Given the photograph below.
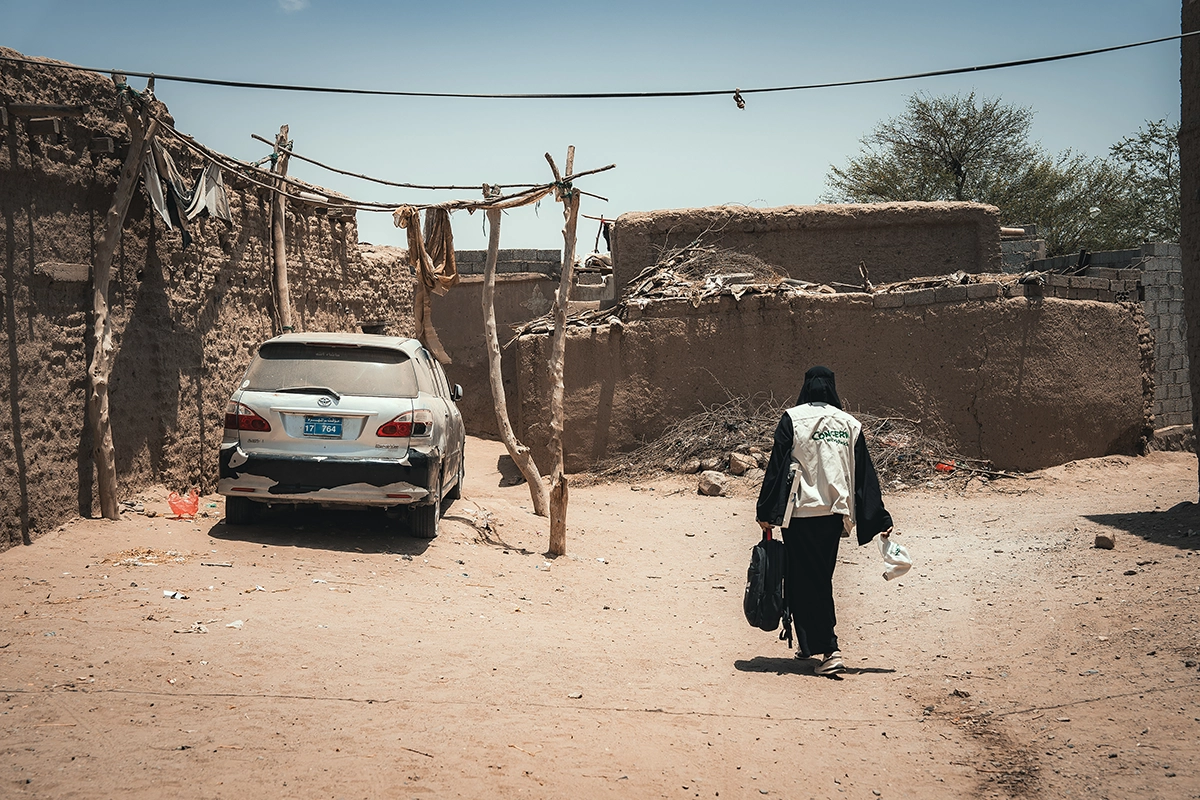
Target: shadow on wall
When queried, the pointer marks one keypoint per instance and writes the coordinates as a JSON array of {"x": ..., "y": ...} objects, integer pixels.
[{"x": 14, "y": 366}]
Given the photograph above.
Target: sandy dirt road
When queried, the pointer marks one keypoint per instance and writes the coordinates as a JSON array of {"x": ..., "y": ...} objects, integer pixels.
[{"x": 341, "y": 658}]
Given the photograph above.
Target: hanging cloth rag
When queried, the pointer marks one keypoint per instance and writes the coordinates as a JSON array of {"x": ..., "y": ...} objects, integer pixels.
[
  {"x": 208, "y": 192},
  {"x": 409, "y": 218},
  {"x": 155, "y": 190},
  {"x": 439, "y": 244}
]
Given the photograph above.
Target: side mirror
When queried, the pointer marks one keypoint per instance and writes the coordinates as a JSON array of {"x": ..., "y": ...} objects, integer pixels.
[{"x": 456, "y": 393}]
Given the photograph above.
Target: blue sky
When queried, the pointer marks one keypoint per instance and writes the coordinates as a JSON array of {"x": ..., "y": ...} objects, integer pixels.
[{"x": 669, "y": 152}]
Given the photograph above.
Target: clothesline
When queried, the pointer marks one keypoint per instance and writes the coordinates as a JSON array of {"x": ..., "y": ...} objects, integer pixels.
[
  {"x": 529, "y": 195},
  {"x": 293, "y": 154}
]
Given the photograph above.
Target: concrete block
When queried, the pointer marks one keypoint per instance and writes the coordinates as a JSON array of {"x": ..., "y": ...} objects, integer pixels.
[
  {"x": 1129, "y": 274},
  {"x": 1015, "y": 290},
  {"x": 981, "y": 291},
  {"x": 1056, "y": 280},
  {"x": 1104, "y": 273},
  {"x": 1084, "y": 294},
  {"x": 921, "y": 297},
  {"x": 1059, "y": 291},
  {"x": 1106, "y": 296},
  {"x": 887, "y": 300},
  {"x": 1167, "y": 249},
  {"x": 1085, "y": 282},
  {"x": 1175, "y": 307},
  {"x": 950, "y": 294}
]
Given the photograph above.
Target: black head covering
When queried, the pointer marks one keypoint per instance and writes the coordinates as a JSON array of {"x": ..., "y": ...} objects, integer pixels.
[{"x": 819, "y": 388}]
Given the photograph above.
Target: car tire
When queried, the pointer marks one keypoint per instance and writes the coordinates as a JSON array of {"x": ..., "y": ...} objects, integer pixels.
[
  {"x": 240, "y": 510},
  {"x": 423, "y": 520},
  {"x": 456, "y": 492}
]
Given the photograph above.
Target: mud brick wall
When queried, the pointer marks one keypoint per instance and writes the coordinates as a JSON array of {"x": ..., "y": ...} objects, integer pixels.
[
  {"x": 822, "y": 243},
  {"x": 1026, "y": 381},
  {"x": 525, "y": 288},
  {"x": 185, "y": 322},
  {"x": 1158, "y": 270}
]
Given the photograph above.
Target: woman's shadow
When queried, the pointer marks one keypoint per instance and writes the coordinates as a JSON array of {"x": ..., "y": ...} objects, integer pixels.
[{"x": 798, "y": 666}]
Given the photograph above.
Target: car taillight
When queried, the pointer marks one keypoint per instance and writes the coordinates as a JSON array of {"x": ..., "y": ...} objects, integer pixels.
[
  {"x": 410, "y": 424},
  {"x": 240, "y": 417}
]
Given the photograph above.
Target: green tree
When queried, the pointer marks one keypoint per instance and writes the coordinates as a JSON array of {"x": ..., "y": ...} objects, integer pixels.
[
  {"x": 940, "y": 148},
  {"x": 1148, "y": 162},
  {"x": 958, "y": 147}
]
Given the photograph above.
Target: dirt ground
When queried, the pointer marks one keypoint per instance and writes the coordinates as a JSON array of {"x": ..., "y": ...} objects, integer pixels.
[{"x": 322, "y": 654}]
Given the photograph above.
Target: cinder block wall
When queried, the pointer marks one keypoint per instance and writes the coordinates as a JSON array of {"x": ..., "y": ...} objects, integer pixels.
[
  {"x": 822, "y": 243},
  {"x": 1163, "y": 282}
]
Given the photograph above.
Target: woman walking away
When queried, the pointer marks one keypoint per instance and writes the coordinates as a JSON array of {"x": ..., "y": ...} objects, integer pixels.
[{"x": 820, "y": 485}]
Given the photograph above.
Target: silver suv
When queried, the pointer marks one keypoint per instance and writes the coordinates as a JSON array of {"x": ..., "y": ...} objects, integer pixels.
[{"x": 343, "y": 420}]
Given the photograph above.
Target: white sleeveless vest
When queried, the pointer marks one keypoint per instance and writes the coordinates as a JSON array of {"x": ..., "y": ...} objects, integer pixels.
[{"x": 823, "y": 438}]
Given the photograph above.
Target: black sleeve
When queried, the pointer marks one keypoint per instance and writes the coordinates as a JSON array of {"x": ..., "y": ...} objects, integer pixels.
[
  {"x": 773, "y": 496},
  {"x": 870, "y": 515}
]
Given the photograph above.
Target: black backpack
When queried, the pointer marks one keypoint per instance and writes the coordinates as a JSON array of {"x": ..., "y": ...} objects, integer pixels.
[{"x": 764, "y": 602}]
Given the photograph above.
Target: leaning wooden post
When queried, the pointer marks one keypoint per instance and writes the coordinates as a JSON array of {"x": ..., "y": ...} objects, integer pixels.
[
  {"x": 283, "y": 296},
  {"x": 558, "y": 348},
  {"x": 98, "y": 371},
  {"x": 518, "y": 452}
]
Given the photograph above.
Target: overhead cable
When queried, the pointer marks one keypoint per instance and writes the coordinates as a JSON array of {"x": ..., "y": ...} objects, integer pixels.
[{"x": 738, "y": 93}]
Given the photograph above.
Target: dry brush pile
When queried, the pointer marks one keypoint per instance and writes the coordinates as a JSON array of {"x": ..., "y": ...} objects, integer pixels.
[{"x": 902, "y": 453}]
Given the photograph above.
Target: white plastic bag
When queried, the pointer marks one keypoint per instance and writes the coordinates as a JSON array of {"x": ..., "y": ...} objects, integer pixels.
[{"x": 895, "y": 557}]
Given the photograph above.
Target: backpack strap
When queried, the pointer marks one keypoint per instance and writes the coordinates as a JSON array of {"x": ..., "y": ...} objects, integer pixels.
[{"x": 786, "y": 633}]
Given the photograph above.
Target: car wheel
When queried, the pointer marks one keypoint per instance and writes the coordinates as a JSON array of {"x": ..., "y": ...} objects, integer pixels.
[
  {"x": 240, "y": 510},
  {"x": 456, "y": 492},
  {"x": 423, "y": 520}
]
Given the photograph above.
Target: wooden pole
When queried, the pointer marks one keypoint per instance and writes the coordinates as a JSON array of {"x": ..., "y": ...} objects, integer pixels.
[
  {"x": 558, "y": 347},
  {"x": 283, "y": 296},
  {"x": 103, "y": 454},
  {"x": 518, "y": 452}
]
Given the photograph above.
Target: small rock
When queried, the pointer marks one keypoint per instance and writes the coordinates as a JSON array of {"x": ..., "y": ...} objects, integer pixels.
[
  {"x": 712, "y": 463},
  {"x": 690, "y": 467},
  {"x": 1105, "y": 541},
  {"x": 755, "y": 474},
  {"x": 739, "y": 463},
  {"x": 575, "y": 695},
  {"x": 712, "y": 483}
]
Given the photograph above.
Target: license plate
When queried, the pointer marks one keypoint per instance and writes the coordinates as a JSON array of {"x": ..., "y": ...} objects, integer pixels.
[{"x": 325, "y": 427}]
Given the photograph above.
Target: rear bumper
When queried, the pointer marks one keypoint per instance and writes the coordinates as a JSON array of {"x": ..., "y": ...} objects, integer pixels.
[{"x": 308, "y": 479}]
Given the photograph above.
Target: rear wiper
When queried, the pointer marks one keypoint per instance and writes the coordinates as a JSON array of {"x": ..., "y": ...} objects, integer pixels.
[{"x": 310, "y": 390}]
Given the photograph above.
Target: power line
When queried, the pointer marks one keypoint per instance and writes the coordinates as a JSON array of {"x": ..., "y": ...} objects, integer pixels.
[{"x": 737, "y": 93}]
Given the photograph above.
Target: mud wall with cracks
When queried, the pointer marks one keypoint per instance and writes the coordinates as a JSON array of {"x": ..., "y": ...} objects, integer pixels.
[
  {"x": 822, "y": 243},
  {"x": 1027, "y": 382},
  {"x": 185, "y": 322}
]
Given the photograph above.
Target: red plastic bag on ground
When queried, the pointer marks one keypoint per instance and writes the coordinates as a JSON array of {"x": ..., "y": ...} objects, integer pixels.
[{"x": 184, "y": 507}]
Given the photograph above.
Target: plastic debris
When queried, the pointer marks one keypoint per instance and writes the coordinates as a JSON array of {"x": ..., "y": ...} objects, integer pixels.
[
  {"x": 174, "y": 595},
  {"x": 236, "y": 624},
  {"x": 184, "y": 507},
  {"x": 197, "y": 627}
]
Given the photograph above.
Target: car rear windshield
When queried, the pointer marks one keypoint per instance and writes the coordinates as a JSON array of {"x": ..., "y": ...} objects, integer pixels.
[{"x": 363, "y": 371}]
